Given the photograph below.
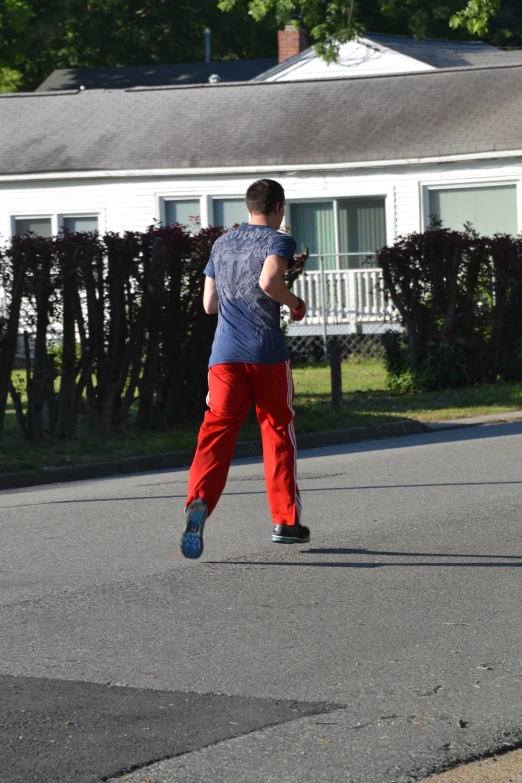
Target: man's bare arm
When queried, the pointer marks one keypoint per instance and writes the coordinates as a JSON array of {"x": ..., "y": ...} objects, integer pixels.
[
  {"x": 210, "y": 296},
  {"x": 273, "y": 284}
]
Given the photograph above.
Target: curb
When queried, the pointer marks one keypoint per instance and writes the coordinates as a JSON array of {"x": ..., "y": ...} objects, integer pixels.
[{"x": 183, "y": 459}]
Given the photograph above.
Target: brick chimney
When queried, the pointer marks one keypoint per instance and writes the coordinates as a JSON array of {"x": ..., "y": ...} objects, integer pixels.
[{"x": 291, "y": 41}]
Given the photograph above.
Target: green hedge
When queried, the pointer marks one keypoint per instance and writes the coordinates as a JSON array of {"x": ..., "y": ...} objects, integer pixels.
[
  {"x": 132, "y": 338},
  {"x": 459, "y": 298}
]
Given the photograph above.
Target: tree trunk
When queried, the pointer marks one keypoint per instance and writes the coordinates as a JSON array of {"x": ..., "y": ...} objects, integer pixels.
[
  {"x": 9, "y": 339},
  {"x": 40, "y": 379},
  {"x": 67, "y": 409},
  {"x": 153, "y": 309}
]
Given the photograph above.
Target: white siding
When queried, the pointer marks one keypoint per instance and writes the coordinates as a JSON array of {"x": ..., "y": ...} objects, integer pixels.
[
  {"x": 133, "y": 203},
  {"x": 407, "y": 206}
]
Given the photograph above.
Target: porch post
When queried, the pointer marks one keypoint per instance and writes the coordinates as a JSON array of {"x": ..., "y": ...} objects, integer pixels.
[{"x": 323, "y": 308}]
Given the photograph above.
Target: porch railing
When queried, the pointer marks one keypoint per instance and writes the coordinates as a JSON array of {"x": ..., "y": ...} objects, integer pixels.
[{"x": 350, "y": 297}]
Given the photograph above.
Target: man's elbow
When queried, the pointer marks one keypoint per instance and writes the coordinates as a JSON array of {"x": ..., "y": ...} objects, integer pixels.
[
  {"x": 265, "y": 283},
  {"x": 211, "y": 308}
]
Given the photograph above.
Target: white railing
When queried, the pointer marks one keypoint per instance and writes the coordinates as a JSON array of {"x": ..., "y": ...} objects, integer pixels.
[{"x": 346, "y": 297}]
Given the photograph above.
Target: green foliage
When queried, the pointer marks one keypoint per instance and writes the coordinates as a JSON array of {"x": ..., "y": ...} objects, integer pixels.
[
  {"x": 476, "y": 16},
  {"x": 134, "y": 300},
  {"x": 506, "y": 25},
  {"x": 333, "y": 22},
  {"x": 10, "y": 80},
  {"x": 459, "y": 298},
  {"x": 329, "y": 23},
  {"x": 37, "y": 36},
  {"x": 55, "y": 350},
  {"x": 446, "y": 369}
]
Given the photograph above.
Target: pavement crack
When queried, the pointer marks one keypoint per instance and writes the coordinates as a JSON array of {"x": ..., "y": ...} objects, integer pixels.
[
  {"x": 433, "y": 692},
  {"x": 373, "y": 722}
]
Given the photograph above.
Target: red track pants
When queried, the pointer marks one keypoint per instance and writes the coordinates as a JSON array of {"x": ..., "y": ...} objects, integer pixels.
[{"x": 232, "y": 388}]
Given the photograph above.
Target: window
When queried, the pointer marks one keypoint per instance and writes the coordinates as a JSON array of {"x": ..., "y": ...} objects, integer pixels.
[
  {"x": 312, "y": 226},
  {"x": 345, "y": 232},
  {"x": 228, "y": 211},
  {"x": 491, "y": 210},
  {"x": 38, "y": 225},
  {"x": 184, "y": 212},
  {"x": 362, "y": 231},
  {"x": 84, "y": 223}
]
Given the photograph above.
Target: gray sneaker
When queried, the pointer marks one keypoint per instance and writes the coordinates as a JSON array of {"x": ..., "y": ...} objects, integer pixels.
[
  {"x": 290, "y": 534},
  {"x": 192, "y": 539}
]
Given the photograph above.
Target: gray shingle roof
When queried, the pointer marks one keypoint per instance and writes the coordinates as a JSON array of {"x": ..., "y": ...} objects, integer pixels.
[
  {"x": 439, "y": 54},
  {"x": 258, "y": 123},
  {"x": 154, "y": 75}
]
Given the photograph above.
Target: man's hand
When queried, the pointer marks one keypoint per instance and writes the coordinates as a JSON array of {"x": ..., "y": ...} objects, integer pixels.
[
  {"x": 272, "y": 282},
  {"x": 298, "y": 313}
]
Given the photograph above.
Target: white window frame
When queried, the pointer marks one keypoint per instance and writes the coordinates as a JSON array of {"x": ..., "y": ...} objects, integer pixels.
[
  {"x": 471, "y": 184},
  {"x": 34, "y": 216},
  {"x": 58, "y": 218},
  {"x": 387, "y": 195}
]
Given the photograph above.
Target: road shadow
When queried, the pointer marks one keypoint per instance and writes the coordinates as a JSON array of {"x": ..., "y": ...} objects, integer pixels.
[
  {"x": 435, "y": 437},
  {"x": 303, "y": 490},
  {"x": 319, "y": 564},
  {"x": 332, "y": 550},
  {"x": 467, "y": 433},
  {"x": 506, "y": 561}
]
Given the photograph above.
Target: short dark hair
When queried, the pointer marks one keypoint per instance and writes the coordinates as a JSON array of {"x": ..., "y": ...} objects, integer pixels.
[{"x": 263, "y": 195}]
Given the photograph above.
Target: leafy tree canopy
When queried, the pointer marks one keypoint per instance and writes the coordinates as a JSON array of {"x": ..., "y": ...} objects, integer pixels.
[
  {"x": 37, "y": 36},
  {"x": 332, "y": 22}
]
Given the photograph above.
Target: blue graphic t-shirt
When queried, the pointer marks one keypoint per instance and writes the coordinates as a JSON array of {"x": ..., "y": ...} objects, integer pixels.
[{"x": 249, "y": 321}]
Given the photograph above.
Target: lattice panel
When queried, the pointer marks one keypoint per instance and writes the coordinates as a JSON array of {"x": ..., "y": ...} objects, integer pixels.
[{"x": 308, "y": 349}]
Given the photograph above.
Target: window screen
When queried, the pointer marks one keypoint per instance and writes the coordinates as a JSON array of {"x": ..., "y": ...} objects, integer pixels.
[
  {"x": 76, "y": 224},
  {"x": 490, "y": 210},
  {"x": 362, "y": 231},
  {"x": 40, "y": 226},
  {"x": 183, "y": 212},
  {"x": 312, "y": 227},
  {"x": 228, "y": 211}
]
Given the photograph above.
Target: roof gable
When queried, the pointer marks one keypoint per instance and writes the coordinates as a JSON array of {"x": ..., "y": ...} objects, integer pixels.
[{"x": 377, "y": 53}]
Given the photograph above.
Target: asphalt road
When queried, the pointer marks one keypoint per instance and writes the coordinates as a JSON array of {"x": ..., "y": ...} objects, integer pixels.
[{"x": 385, "y": 650}]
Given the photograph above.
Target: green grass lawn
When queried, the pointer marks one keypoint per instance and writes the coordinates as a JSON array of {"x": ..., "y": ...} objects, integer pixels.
[{"x": 366, "y": 400}]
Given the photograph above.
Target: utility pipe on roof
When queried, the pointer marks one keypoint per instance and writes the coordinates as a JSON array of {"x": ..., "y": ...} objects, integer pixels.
[{"x": 207, "y": 45}]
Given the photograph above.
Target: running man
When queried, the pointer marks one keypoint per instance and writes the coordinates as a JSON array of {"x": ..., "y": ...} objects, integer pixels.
[{"x": 249, "y": 363}]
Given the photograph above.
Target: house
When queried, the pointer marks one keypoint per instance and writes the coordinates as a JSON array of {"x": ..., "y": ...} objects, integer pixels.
[
  {"x": 379, "y": 54},
  {"x": 362, "y": 160},
  {"x": 155, "y": 75},
  {"x": 372, "y": 54}
]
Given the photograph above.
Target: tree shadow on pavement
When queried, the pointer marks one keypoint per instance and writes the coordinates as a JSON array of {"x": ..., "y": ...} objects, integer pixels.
[
  {"x": 506, "y": 561},
  {"x": 340, "y": 551},
  {"x": 468, "y": 432},
  {"x": 365, "y": 487}
]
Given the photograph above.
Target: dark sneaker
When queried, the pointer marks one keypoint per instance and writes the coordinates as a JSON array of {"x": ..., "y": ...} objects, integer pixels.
[
  {"x": 192, "y": 539},
  {"x": 290, "y": 534}
]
